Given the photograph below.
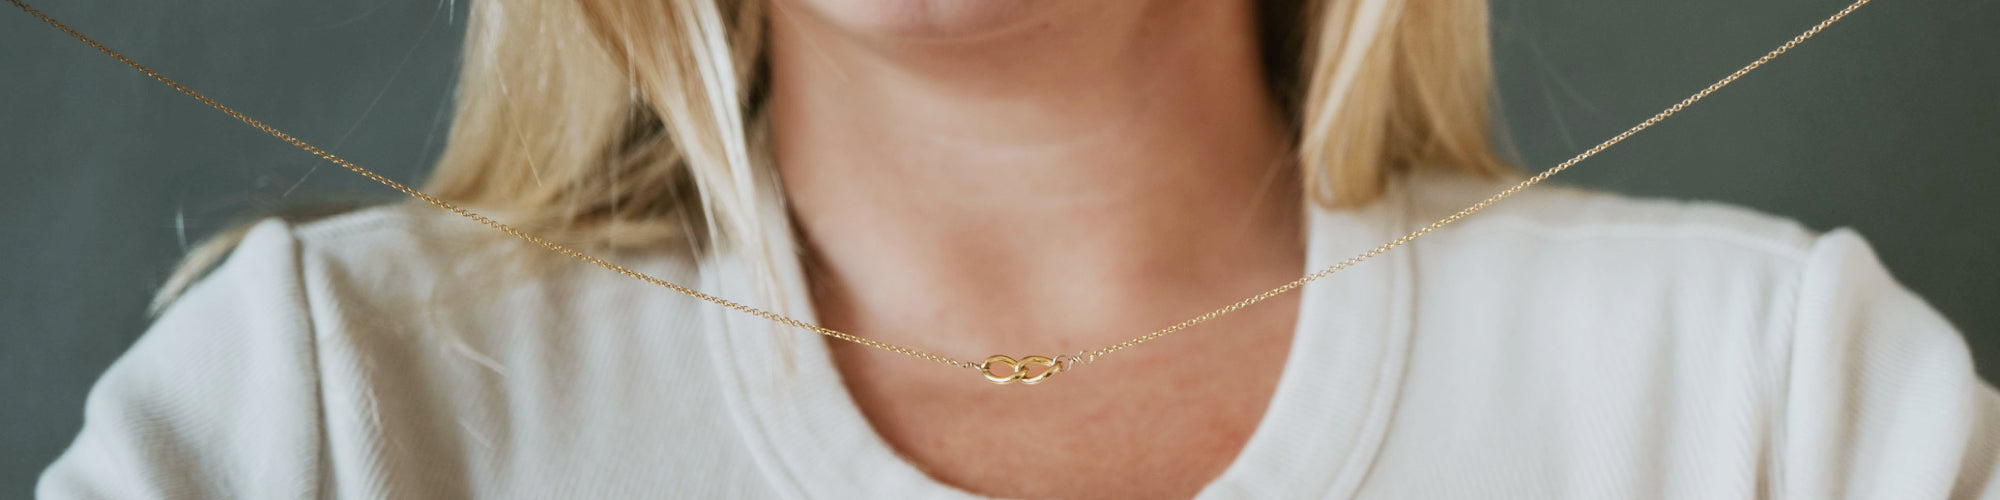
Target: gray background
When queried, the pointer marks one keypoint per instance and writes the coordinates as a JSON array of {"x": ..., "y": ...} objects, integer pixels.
[{"x": 1886, "y": 123}]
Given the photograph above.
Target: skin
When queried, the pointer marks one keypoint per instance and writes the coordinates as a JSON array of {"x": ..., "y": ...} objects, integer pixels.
[{"x": 977, "y": 177}]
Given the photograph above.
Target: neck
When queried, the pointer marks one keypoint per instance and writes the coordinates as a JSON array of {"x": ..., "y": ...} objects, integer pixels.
[{"x": 1068, "y": 183}]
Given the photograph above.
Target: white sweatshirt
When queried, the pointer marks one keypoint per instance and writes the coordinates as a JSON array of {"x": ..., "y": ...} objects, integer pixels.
[{"x": 1561, "y": 344}]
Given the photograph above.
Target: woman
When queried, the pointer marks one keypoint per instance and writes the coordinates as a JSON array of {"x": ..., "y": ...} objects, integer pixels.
[{"x": 979, "y": 177}]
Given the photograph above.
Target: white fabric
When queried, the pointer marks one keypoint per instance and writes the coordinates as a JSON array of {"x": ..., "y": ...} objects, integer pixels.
[{"x": 1561, "y": 344}]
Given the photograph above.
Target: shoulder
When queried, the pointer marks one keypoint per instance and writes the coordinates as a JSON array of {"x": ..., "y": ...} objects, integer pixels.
[
  {"x": 315, "y": 262},
  {"x": 1769, "y": 344},
  {"x": 407, "y": 281},
  {"x": 392, "y": 324},
  {"x": 389, "y": 240},
  {"x": 1613, "y": 284},
  {"x": 1683, "y": 287},
  {"x": 1710, "y": 268},
  {"x": 402, "y": 251},
  {"x": 1566, "y": 216},
  {"x": 396, "y": 235},
  {"x": 1678, "y": 251}
]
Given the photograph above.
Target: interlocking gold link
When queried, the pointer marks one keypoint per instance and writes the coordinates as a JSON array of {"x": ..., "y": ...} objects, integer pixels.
[
  {"x": 1019, "y": 369},
  {"x": 1054, "y": 365}
]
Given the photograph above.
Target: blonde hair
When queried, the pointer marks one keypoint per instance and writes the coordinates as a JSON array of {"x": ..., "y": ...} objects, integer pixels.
[{"x": 616, "y": 123}]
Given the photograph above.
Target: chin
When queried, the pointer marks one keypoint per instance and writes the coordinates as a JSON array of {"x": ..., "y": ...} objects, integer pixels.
[{"x": 942, "y": 20}]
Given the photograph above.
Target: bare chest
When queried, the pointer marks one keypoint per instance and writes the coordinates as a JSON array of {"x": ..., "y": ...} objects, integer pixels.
[{"x": 1138, "y": 429}]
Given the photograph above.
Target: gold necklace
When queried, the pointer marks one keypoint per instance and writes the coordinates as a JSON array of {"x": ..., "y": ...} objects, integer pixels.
[{"x": 1027, "y": 370}]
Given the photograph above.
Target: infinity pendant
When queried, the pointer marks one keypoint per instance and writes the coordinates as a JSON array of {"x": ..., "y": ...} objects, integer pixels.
[{"x": 1018, "y": 370}]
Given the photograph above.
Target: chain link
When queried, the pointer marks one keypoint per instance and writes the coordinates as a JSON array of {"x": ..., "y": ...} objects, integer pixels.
[{"x": 1062, "y": 363}]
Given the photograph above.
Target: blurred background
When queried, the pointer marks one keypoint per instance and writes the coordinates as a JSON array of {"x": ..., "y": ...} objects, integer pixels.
[{"x": 1886, "y": 123}]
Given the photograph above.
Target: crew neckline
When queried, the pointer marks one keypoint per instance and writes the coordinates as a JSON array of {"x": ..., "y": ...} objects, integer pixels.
[{"x": 1318, "y": 436}]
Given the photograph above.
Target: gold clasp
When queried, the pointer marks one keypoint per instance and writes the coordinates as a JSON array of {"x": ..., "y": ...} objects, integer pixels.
[{"x": 1018, "y": 370}]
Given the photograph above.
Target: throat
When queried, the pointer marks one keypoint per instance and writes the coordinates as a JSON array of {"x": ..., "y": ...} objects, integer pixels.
[
  {"x": 1091, "y": 179},
  {"x": 1124, "y": 179},
  {"x": 976, "y": 287}
]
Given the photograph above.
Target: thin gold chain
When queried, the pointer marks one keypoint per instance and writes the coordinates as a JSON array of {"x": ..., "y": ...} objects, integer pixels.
[{"x": 1018, "y": 369}]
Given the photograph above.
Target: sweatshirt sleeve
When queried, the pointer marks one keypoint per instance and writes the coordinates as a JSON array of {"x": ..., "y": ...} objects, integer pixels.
[
  {"x": 218, "y": 399},
  {"x": 1882, "y": 400}
]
